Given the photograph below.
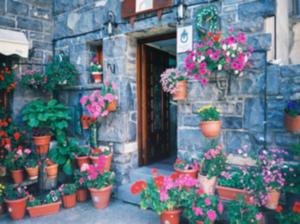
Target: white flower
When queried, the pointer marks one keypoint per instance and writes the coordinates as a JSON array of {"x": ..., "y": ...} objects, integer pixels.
[
  {"x": 202, "y": 58},
  {"x": 219, "y": 67},
  {"x": 233, "y": 46},
  {"x": 236, "y": 72},
  {"x": 246, "y": 58},
  {"x": 232, "y": 55},
  {"x": 240, "y": 49},
  {"x": 224, "y": 46},
  {"x": 228, "y": 53}
]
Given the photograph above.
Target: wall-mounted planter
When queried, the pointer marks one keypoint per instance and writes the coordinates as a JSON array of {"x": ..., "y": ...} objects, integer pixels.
[
  {"x": 180, "y": 93},
  {"x": 210, "y": 129},
  {"x": 292, "y": 123},
  {"x": 43, "y": 210}
]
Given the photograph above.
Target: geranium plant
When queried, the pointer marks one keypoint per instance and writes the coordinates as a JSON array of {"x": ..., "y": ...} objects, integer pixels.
[
  {"x": 7, "y": 75},
  {"x": 83, "y": 151},
  {"x": 208, "y": 113},
  {"x": 33, "y": 78},
  {"x": 232, "y": 177},
  {"x": 186, "y": 164},
  {"x": 169, "y": 78},
  {"x": 67, "y": 189},
  {"x": 15, "y": 159},
  {"x": 215, "y": 53},
  {"x": 52, "y": 197},
  {"x": 101, "y": 150},
  {"x": 289, "y": 216},
  {"x": 80, "y": 179},
  {"x": 11, "y": 193},
  {"x": 108, "y": 90},
  {"x": 95, "y": 66}
]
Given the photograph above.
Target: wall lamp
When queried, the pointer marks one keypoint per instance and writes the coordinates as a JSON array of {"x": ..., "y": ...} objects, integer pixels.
[
  {"x": 111, "y": 23},
  {"x": 181, "y": 11}
]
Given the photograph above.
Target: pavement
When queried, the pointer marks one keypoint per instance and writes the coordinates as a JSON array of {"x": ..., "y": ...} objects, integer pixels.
[{"x": 118, "y": 212}]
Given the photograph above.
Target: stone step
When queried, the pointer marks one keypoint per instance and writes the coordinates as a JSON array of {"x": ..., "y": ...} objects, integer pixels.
[
  {"x": 144, "y": 173},
  {"x": 125, "y": 195}
]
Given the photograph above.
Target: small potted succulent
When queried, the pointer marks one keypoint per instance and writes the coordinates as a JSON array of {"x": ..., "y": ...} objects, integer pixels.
[
  {"x": 210, "y": 124},
  {"x": 212, "y": 165},
  {"x": 186, "y": 167},
  {"x": 104, "y": 151},
  {"x": 14, "y": 161},
  {"x": 68, "y": 194},
  {"x": 241, "y": 212},
  {"x": 34, "y": 79},
  {"x": 15, "y": 200},
  {"x": 31, "y": 165},
  {"x": 2, "y": 208},
  {"x": 96, "y": 70},
  {"x": 81, "y": 184},
  {"x": 292, "y": 116},
  {"x": 49, "y": 206},
  {"x": 203, "y": 209},
  {"x": 99, "y": 182},
  {"x": 174, "y": 83},
  {"x": 108, "y": 90},
  {"x": 82, "y": 155},
  {"x": 166, "y": 195}
]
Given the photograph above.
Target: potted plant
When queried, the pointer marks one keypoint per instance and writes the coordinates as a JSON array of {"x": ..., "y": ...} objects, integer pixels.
[
  {"x": 46, "y": 119},
  {"x": 212, "y": 165},
  {"x": 87, "y": 121},
  {"x": 49, "y": 206},
  {"x": 104, "y": 151},
  {"x": 292, "y": 116},
  {"x": 31, "y": 165},
  {"x": 96, "y": 70},
  {"x": 203, "y": 209},
  {"x": 210, "y": 124},
  {"x": 34, "y": 79},
  {"x": 60, "y": 71},
  {"x": 81, "y": 185},
  {"x": 166, "y": 195},
  {"x": 68, "y": 194},
  {"x": 108, "y": 90},
  {"x": 186, "y": 167},
  {"x": 2, "y": 208},
  {"x": 174, "y": 83},
  {"x": 14, "y": 161},
  {"x": 51, "y": 169},
  {"x": 15, "y": 200},
  {"x": 99, "y": 182},
  {"x": 289, "y": 216},
  {"x": 82, "y": 155},
  {"x": 230, "y": 183},
  {"x": 242, "y": 213}
]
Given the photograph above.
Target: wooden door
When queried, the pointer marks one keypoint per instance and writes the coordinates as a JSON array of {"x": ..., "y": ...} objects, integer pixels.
[{"x": 154, "y": 113}]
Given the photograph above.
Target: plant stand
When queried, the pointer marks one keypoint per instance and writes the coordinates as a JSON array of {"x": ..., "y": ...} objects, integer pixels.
[
  {"x": 93, "y": 135},
  {"x": 44, "y": 182}
]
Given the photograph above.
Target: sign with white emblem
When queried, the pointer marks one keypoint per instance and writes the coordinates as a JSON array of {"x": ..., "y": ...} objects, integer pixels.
[{"x": 184, "y": 39}]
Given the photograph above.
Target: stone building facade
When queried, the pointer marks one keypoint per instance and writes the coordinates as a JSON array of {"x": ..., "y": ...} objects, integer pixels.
[{"x": 252, "y": 111}]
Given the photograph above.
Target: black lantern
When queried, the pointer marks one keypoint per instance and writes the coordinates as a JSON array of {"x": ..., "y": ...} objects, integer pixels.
[{"x": 181, "y": 10}]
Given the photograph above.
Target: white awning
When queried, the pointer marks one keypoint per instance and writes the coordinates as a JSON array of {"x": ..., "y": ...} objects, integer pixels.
[{"x": 13, "y": 42}]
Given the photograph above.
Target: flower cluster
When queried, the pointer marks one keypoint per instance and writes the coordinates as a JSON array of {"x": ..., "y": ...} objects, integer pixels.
[
  {"x": 186, "y": 165},
  {"x": 33, "y": 78},
  {"x": 232, "y": 177},
  {"x": 7, "y": 82},
  {"x": 227, "y": 55},
  {"x": 67, "y": 189},
  {"x": 293, "y": 108},
  {"x": 52, "y": 197},
  {"x": 87, "y": 120},
  {"x": 209, "y": 113},
  {"x": 289, "y": 216},
  {"x": 169, "y": 79},
  {"x": 95, "y": 66}
]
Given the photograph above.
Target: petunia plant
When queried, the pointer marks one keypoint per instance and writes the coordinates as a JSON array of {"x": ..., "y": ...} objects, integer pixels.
[{"x": 169, "y": 79}]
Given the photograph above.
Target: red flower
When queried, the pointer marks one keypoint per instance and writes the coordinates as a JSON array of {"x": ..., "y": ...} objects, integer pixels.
[
  {"x": 296, "y": 207},
  {"x": 217, "y": 37},
  {"x": 174, "y": 176},
  {"x": 138, "y": 187},
  {"x": 17, "y": 136},
  {"x": 158, "y": 181},
  {"x": 154, "y": 172},
  {"x": 209, "y": 34},
  {"x": 279, "y": 209}
]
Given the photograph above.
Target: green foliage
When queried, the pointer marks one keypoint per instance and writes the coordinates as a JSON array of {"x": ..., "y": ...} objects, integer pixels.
[
  {"x": 14, "y": 161},
  {"x": 2, "y": 188},
  {"x": 51, "y": 197},
  {"x": 34, "y": 79},
  {"x": 240, "y": 212},
  {"x": 288, "y": 217},
  {"x": 7, "y": 76},
  {"x": 232, "y": 177},
  {"x": 83, "y": 151},
  {"x": 292, "y": 178},
  {"x": 80, "y": 179},
  {"x": 10, "y": 193},
  {"x": 209, "y": 113},
  {"x": 60, "y": 71},
  {"x": 67, "y": 189},
  {"x": 207, "y": 18},
  {"x": 31, "y": 162},
  {"x": 33, "y": 202},
  {"x": 104, "y": 180}
]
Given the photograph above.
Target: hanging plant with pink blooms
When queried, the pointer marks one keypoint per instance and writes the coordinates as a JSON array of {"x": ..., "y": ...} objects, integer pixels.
[{"x": 216, "y": 55}]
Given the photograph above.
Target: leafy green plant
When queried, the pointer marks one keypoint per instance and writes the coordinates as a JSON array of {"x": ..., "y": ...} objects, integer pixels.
[
  {"x": 60, "y": 71},
  {"x": 67, "y": 189},
  {"x": 10, "y": 193},
  {"x": 7, "y": 76},
  {"x": 239, "y": 212},
  {"x": 51, "y": 197},
  {"x": 33, "y": 202},
  {"x": 291, "y": 172},
  {"x": 232, "y": 177},
  {"x": 101, "y": 150},
  {"x": 186, "y": 164},
  {"x": 209, "y": 113},
  {"x": 44, "y": 118},
  {"x": 15, "y": 159},
  {"x": 83, "y": 151},
  {"x": 80, "y": 179},
  {"x": 31, "y": 162},
  {"x": 34, "y": 79},
  {"x": 95, "y": 66}
]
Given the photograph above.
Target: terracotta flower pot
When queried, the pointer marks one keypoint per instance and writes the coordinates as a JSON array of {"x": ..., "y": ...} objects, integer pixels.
[
  {"x": 101, "y": 197},
  {"x": 42, "y": 144},
  {"x": 16, "y": 208},
  {"x": 52, "y": 171},
  {"x": 82, "y": 160},
  {"x": 69, "y": 201},
  {"x": 201, "y": 222},
  {"x": 170, "y": 217},
  {"x": 107, "y": 164},
  {"x": 112, "y": 106},
  {"x": 228, "y": 193},
  {"x": 2, "y": 208},
  {"x": 180, "y": 93},
  {"x": 43, "y": 210},
  {"x": 292, "y": 124},
  {"x": 192, "y": 173},
  {"x": 208, "y": 185},
  {"x": 97, "y": 76},
  {"x": 32, "y": 172},
  {"x": 210, "y": 129},
  {"x": 81, "y": 195},
  {"x": 17, "y": 176},
  {"x": 273, "y": 199}
]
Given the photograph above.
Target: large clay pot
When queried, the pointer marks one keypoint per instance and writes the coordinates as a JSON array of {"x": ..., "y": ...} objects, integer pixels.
[
  {"x": 210, "y": 129},
  {"x": 69, "y": 201},
  {"x": 52, "y": 171},
  {"x": 42, "y": 144},
  {"x": 292, "y": 124},
  {"x": 180, "y": 93},
  {"x": 97, "y": 77},
  {"x": 82, "y": 160},
  {"x": 16, "y": 208},
  {"x": 273, "y": 199},
  {"x": 208, "y": 185},
  {"x": 170, "y": 217},
  {"x": 228, "y": 193},
  {"x": 32, "y": 172},
  {"x": 112, "y": 106},
  {"x": 81, "y": 195},
  {"x": 17, "y": 176},
  {"x": 101, "y": 197},
  {"x": 42, "y": 210},
  {"x": 192, "y": 173}
]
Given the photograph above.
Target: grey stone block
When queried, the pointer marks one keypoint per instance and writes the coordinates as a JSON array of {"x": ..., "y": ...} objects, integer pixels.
[
  {"x": 232, "y": 123},
  {"x": 41, "y": 13},
  {"x": 273, "y": 80},
  {"x": 2, "y": 8},
  {"x": 17, "y": 8},
  {"x": 254, "y": 114},
  {"x": 7, "y": 22},
  {"x": 252, "y": 10},
  {"x": 29, "y": 24},
  {"x": 260, "y": 42}
]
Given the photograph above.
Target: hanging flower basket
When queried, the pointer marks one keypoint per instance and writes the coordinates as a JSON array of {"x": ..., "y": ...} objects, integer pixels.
[{"x": 180, "y": 91}]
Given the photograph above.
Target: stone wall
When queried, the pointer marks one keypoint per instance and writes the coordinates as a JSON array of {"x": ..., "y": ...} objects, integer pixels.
[{"x": 34, "y": 18}]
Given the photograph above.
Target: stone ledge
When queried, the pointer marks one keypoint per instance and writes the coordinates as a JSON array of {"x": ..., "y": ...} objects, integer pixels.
[{"x": 239, "y": 160}]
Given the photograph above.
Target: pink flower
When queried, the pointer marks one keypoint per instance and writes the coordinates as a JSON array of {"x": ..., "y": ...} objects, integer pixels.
[
  {"x": 220, "y": 207},
  {"x": 83, "y": 100},
  {"x": 27, "y": 151},
  {"x": 259, "y": 216},
  {"x": 81, "y": 180},
  {"x": 163, "y": 195},
  {"x": 198, "y": 211},
  {"x": 212, "y": 215},
  {"x": 84, "y": 167},
  {"x": 207, "y": 201},
  {"x": 203, "y": 81}
]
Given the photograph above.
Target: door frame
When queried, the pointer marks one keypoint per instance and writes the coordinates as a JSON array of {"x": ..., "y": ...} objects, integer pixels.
[{"x": 141, "y": 94}]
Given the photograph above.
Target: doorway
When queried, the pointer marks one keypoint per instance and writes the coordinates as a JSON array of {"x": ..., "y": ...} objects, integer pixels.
[{"x": 157, "y": 123}]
